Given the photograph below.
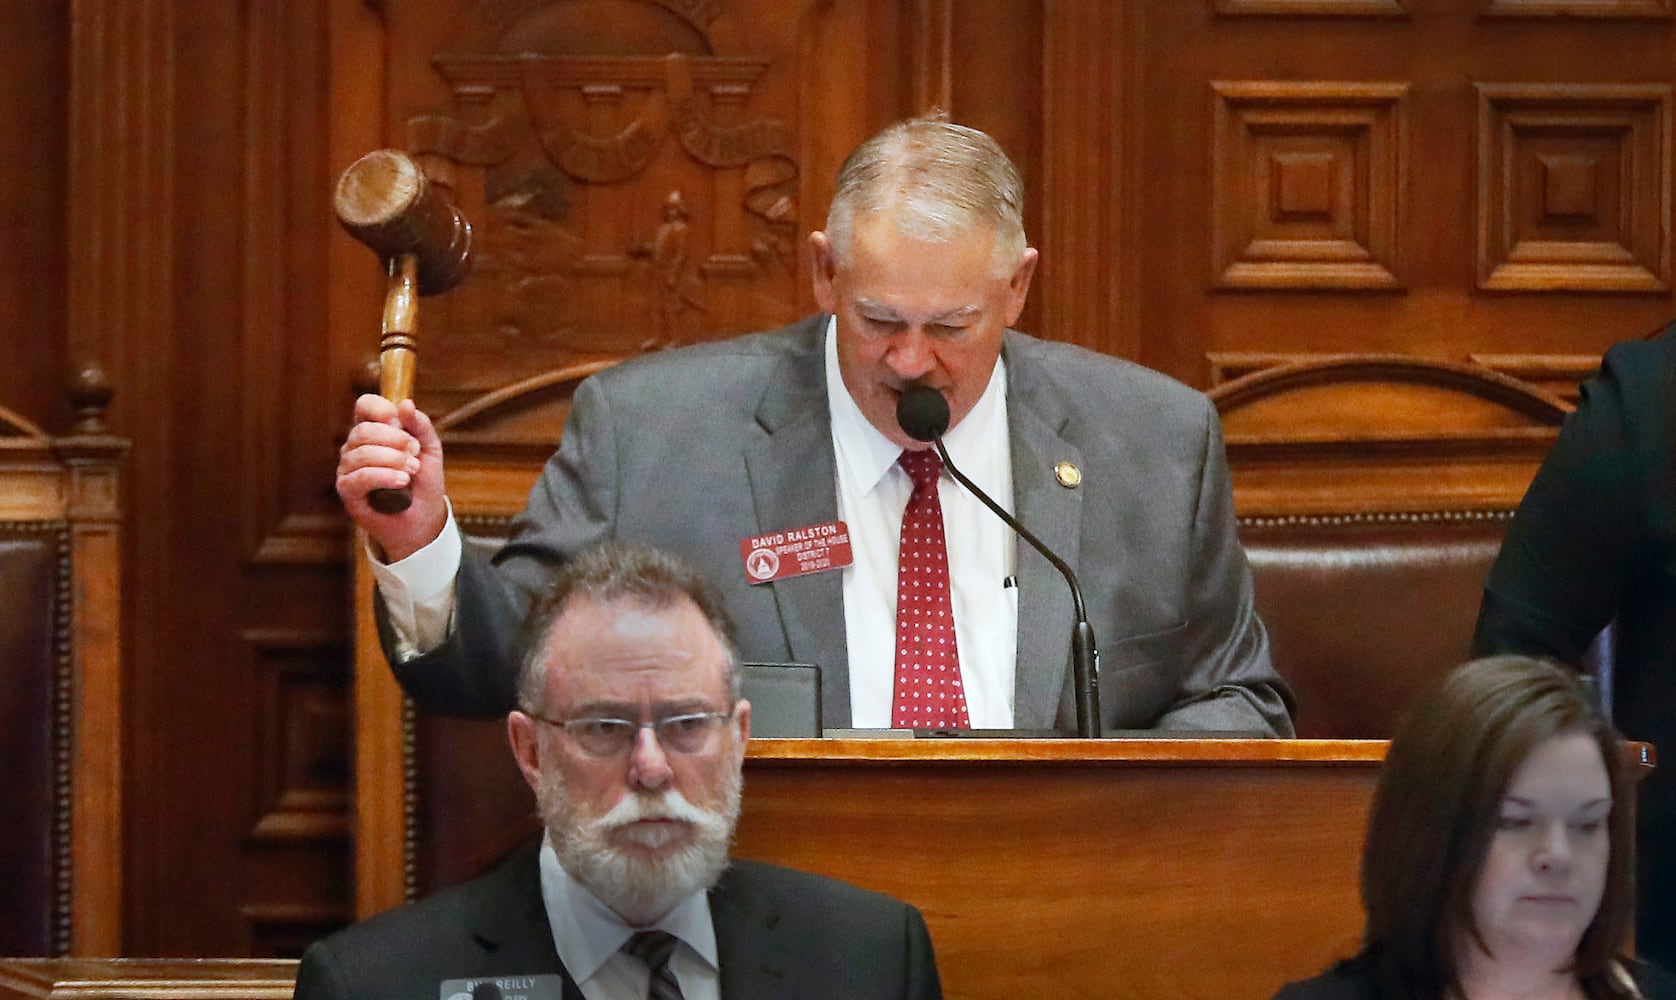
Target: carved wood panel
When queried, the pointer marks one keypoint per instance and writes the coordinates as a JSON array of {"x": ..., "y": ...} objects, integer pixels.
[
  {"x": 1309, "y": 185},
  {"x": 1574, "y": 187},
  {"x": 633, "y": 171}
]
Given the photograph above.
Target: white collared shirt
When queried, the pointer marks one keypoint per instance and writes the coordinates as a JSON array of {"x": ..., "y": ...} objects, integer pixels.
[
  {"x": 873, "y": 492},
  {"x": 589, "y": 937}
]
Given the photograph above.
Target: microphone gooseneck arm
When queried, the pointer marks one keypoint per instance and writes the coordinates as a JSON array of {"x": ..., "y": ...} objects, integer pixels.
[
  {"x": 1085, "y": 654},
  {"x": 923, "y": 414}
]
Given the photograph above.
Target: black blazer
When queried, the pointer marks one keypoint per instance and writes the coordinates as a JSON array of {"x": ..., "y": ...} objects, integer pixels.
[
  {"x": 1349, "y": 981},
  {"x": 779, "y": 933},
  {"x": 1595, "y": 540}
]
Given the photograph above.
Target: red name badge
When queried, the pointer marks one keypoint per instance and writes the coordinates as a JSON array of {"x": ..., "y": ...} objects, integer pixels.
[{"x": 799, "y": 551}]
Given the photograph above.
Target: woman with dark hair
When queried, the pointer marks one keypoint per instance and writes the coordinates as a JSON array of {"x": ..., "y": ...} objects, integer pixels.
[{"x": 1499, "y": 859}]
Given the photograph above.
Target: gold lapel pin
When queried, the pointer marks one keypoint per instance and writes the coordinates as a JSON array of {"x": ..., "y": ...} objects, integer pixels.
[{"x": 1069, "y": 475}]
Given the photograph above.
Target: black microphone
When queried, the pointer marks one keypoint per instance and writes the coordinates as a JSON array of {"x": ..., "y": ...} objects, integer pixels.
[{"x": 923, "y": 415}]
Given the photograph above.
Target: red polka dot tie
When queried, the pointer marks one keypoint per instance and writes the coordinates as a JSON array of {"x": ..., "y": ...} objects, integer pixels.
[{"x": 927, "y": 693}]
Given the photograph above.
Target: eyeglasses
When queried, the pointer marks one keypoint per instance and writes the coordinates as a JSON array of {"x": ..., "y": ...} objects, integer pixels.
[{"x": 689, "y": 733}]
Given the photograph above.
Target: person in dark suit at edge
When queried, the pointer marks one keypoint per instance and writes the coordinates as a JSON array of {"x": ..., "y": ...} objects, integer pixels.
[
  {"x": 1594, "y": 541},
  {"x": 631, "y": 732},
  {"x": 921, "y": 269}
]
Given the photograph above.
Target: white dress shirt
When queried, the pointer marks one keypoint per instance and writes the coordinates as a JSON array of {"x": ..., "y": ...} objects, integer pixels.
[
  {"x": 872, "y": 492},
  {"x": 589, "y": 938}
]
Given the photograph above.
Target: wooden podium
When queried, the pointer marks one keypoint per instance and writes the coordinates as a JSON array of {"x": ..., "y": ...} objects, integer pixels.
[{"x": 1156, "y": 869}]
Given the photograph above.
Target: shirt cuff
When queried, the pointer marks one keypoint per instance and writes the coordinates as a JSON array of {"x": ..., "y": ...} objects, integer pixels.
[{"x": 418, "y": 591}]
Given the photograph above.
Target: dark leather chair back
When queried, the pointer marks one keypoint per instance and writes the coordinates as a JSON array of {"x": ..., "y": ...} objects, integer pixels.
[
  {"x": 34, "y": 679},
  {"x": 1365, "y": 611}
]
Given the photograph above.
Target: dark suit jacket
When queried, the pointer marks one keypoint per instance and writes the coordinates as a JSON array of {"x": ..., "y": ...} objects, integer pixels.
[
  {"x": 1347, "y": 981},
  {"x": 1594, "y": 541},
  {"x": 779, "y": 934},
  {"x": 698, "y": 449}
]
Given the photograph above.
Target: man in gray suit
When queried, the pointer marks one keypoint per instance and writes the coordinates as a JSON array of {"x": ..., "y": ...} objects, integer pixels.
[
  {"x": 718, "y": 450},
  {"x": 631, "y": 731}
]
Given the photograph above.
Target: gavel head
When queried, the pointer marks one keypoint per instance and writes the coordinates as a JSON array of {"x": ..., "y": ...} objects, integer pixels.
[{"x": 384, "y": 200}]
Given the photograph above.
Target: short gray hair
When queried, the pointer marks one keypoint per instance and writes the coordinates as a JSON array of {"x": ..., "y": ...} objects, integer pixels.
[
  {"x": 937, "y": 179},
  {"x": 620, "y": 571}
]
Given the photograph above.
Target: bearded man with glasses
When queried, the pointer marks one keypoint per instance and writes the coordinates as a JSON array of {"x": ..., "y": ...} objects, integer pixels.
[{"x": 631, "y": 731}]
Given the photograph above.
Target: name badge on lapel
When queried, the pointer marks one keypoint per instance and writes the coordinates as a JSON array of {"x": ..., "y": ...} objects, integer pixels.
[
  {"x": 545, "y": 987},
  {"x": 796, "y": 552}
]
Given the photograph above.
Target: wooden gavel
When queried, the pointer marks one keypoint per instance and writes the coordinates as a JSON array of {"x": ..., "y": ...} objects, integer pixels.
[{"x": 384, "y": 200}]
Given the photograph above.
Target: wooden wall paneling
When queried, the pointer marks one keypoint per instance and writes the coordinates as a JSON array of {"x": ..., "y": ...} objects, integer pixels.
[
  {"x": 1439, "y": 52},
  {"x": 34, "y": 125},
  {"x": 931, "y": 23},
  {"x": 119, "y": 294},
  {"x": 293, "y": 414},
  {"x": 191, "y": 274},
  {"x": 1085, "y": 284},
  {"x": 1240, "y": 269},
  {"x": 294, "y": 845},
  {"x": 193, "y": 682}
]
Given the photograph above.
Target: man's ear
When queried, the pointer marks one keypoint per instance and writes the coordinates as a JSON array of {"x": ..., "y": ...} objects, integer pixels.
[
  {"x": 742, "y": 712},
  {"x": 526, "y": 746},
  {"x": 824, "y": 273},
  {"x": 1018, "y": 286}
]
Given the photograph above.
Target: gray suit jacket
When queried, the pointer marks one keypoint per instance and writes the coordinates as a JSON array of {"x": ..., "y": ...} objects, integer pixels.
[
  {"x": 779, "y": 934},
  {"x": 700, "y": 448}
]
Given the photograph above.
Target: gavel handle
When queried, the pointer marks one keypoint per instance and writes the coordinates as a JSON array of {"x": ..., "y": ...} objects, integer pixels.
[{"x": 398, "y": 355}]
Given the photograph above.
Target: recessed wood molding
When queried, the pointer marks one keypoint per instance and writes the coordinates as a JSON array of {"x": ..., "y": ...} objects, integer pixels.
[
  {"x": 1309, "y": 184},
  {"x": 1574, "y": 187},
  {"x": 302, "y": 726},
  {"x": 1557, "y": 374},
  {"x": 1637, "y": 9},
  {"x": 1311, "y": 8}
]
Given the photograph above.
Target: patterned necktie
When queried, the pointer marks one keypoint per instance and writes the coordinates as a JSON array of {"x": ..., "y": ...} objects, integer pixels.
[
  {"x": 927, "y": 693},
  {"x": 654, "y": 948}
]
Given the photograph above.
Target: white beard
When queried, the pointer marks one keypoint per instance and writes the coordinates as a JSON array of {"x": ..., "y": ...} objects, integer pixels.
[{"x": 638, "y": 889}]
